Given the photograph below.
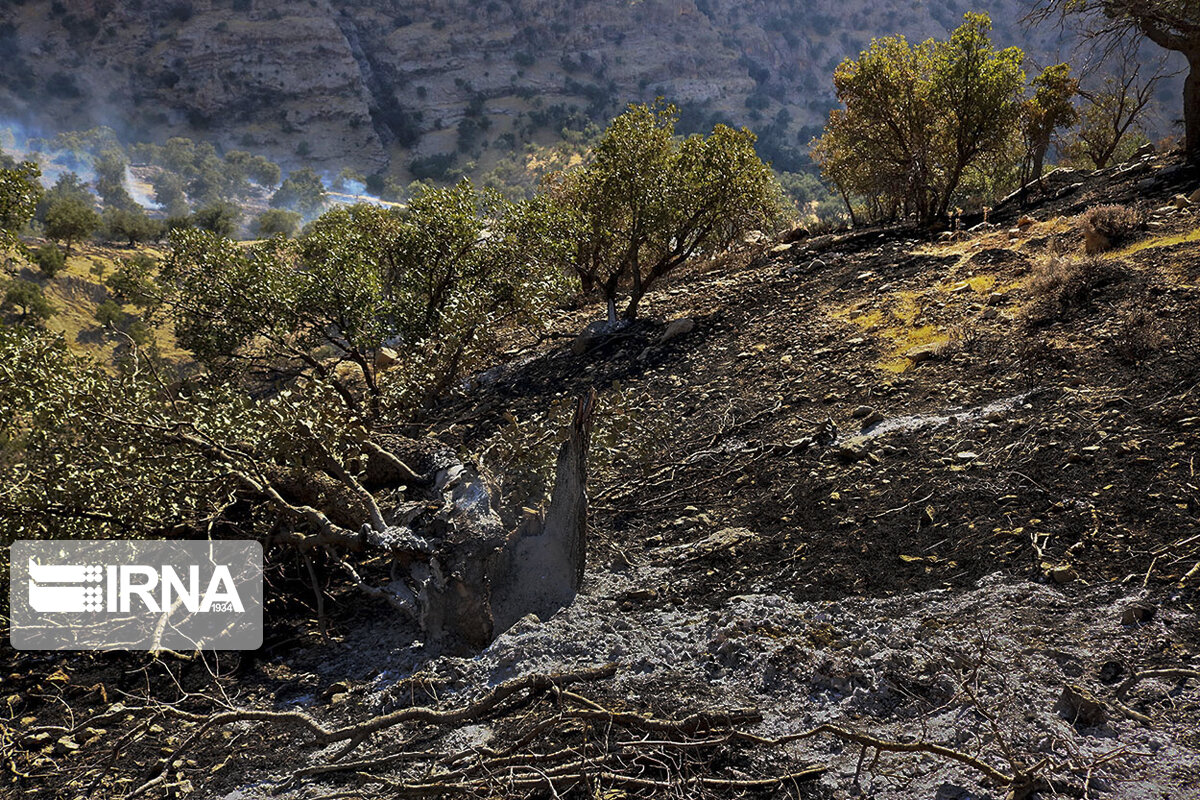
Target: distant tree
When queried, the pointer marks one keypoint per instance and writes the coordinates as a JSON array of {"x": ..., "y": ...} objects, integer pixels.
[
  {"x": 917, "y": 119},
  {"x": 29, "y": 298},
  {"x": 129, "y": 225},
  {"x": 277, "y": 221},
  {"x": 221, "y": 218},
  {"x": 1170, "y": 24},
  {"x": 50, "y": 260},
  {"x": 169, "y": 194},
  {"x": 109, "y": 314},
  {"x": 70, "y": 220},
  {"x": 1049, "y": 109},
  {"x": 69, "y": 186},
  {"x": 647, "y": 201},
  {"x": 301, "y": 191},
  {"x": 110, "y": 181}
]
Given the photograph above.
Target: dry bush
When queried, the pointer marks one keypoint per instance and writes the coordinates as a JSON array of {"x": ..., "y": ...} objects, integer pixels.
[
  {"x": 1139, "y": 336},
  {"x": 1060, "y": 285},
  {"x": 1105, "y": 227}
]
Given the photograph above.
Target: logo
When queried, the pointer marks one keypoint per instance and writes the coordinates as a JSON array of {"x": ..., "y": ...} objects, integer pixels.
[{"x": 143, "y": 595}]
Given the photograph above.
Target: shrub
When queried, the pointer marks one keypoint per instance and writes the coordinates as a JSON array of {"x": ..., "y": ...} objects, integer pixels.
[
  {"x": 1105, "y": 227},
  {"x": 1060, "y": 285},
  {"x": 277, "y": 221},
  {"x": 28, "y": 298},
  {"x": 50, "y": 260}
]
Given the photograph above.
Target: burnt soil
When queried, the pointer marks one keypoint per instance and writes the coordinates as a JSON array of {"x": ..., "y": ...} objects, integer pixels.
[{"x": 1025, "y": 447}]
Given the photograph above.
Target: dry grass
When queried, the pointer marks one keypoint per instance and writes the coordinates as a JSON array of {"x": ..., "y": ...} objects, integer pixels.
[
  {"x": 1061, "y": 285},
  {"x": 1105, "y": 227}
]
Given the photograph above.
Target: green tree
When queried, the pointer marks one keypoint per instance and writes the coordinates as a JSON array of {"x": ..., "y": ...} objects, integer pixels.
[
  {"x": 277, "y": 222},
  {"x": 50, "y": 260},
  {"x": 129, "y": 225},
  {"x": 221, "y": 218},
  {"x": 20, "y": 191},
  {"x": 69, "y": 186},
  {"x": 426, "y": 282},
  {"x": 110, "y": 181},
  {"x": 647, "y": 201},
  {"x": 169, "y": 193},
  {"x": 29, "y": 298},
  {"x": 70, "y": 220},
  {"x": 301, "y": 191},
  {"x": 917, "y": 119},
  {"x": 1049, "y": 109}
]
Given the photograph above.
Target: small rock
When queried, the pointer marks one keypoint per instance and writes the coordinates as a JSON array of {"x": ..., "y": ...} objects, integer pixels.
[
  {"x": 1026, "y": 222},
  {"x": 966, "y": 455},
  {"x": 1148, "y": 149},
  {"x": 1194, "y": 197},
  {"x": 861, "y": 411},
  {"x": 924, "y": 352},
  {"x": 1180, "y": 201},
  {"x": 386, "y": 358},
  {"x": 1079, "y": 706},
  {"x": 676, "y": 328},
  {"x": 874, "y": 418},
  {"x": 1137, "y": 614},
  {"x": 1064, "y": 574},
  {"x": 781, "y": 248},
  {"x": 854, "y": 449}
]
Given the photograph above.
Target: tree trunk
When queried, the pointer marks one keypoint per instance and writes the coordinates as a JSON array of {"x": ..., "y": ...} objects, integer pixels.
[{"x": 1191, "y": 108}]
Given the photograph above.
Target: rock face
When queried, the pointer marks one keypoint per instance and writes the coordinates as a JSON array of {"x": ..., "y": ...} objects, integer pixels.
[{"x": 366, "y": 82}]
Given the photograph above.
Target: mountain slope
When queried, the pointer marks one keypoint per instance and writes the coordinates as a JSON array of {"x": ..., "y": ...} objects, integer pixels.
[{"x": 375, "y": 82}]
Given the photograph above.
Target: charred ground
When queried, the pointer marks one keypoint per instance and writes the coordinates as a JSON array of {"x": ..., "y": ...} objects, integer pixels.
[{"x": 870, "y": 448}]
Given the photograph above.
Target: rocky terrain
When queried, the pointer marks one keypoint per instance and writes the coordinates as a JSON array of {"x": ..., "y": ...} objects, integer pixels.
[
  {"x": 880, "y": 513},
  {"x": 376, "y": 83}
]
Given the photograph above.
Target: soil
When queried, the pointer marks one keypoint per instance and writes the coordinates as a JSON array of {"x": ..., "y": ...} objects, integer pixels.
[{"x": 898, "y": 483}]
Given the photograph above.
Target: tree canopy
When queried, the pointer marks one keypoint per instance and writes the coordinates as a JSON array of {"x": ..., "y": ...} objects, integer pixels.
[
  {"x": 916, "y": 120},
  {"x": 648, "y": 201}
]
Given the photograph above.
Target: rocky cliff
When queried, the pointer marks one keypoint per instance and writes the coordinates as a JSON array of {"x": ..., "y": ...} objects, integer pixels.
[{"x": 377, "y": 83}]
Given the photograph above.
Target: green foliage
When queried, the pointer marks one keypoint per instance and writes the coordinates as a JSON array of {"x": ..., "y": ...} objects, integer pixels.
[
  {"x": 70, "y": 219},
  {"x": 277, "y": 222},
  {"x": 93, "y": 453},
  {"x": 301, "y": 191},
  {"x": 20, "y": 192},
  {"x": 27, "y": 297},
  {"x": 129, "y": 225},
  {"x": 50, "y": 260},
  {"x": 69, "y": 186},
  {"x": 1049, "y": 109},
  {"x": 918, "y": 119},
  {"x": 134, "y": 282},
  {"x": 647, "y": 202},
  {"x": 110, "y": 181},
  {"x": 430, "y": 282},
  {"x": 219, "y": 217}
]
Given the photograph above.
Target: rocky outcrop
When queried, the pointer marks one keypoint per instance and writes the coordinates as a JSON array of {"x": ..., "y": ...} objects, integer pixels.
[{"x": 366, "y": 83}]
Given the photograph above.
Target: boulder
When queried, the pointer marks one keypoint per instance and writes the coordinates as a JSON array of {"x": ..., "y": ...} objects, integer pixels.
[
  {"x": 676, "y": 328},
  {"x": 386, "y": 358},
  {"x": 594, "y": 333}
]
